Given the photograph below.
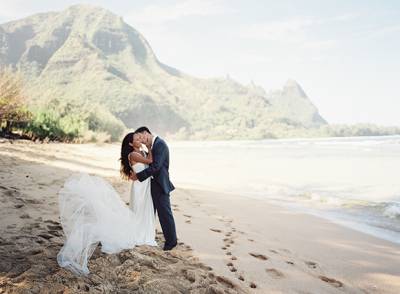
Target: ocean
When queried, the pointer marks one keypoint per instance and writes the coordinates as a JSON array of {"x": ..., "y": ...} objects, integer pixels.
[{"x": 352, "y": 181}]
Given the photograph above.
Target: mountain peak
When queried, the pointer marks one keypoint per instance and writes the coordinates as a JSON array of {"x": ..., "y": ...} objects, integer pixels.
[
  {"x": 291, "y": 86},
  {"x": 88, "y": 53},
  {"x": 291, "y": 83},
  {"x": 83, "y": 8},
  {"x": 96, "y": 15}
]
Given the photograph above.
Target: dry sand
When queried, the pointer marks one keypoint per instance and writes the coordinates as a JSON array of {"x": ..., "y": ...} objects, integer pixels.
[
  {"x": 227, "y": 243},
  {"x": 31, "y": 235}
]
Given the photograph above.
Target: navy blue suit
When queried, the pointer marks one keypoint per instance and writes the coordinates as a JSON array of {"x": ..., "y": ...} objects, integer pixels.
[{"x": 161, "y": 186}]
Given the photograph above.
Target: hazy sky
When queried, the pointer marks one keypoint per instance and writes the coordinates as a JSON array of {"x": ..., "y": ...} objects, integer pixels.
[{"x": 344, "y": 53}]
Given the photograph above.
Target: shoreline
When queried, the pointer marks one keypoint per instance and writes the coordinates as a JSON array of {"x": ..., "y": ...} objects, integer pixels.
[
  {"x": 282, "y": 250},
  {"x": 339, "y": 219},
  {"x": 255, "y": 246}
]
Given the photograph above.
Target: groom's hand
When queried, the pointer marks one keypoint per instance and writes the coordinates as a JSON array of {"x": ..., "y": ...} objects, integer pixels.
[{"x": 133, "y": 176}]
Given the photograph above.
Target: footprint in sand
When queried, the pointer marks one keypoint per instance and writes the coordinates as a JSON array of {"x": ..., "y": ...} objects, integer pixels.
[
  {"x": 228, "y": 241},
  {"x": 241, "y": 278},
  {"x": 251, "y": 240},
  {"x": 51, "y": 222},
  {"x": 274, "y": 273},
  {"x": 234, "y": 258},
  {"x": 258, "y": 256},
  {"x": 233, "y": 269},
  {"x": 216, "y": 230},
  {"x": 55, "y": 233},
  {"x": 188, "y": 221},
  {"x": 46, "y": 236},
  {"x": 330, "y": 281},
  {"x": 205, "y": 267},
  {"x": 226, "y": 282},
  {"x": 311, "y": 264},
  {"x": 33, "y": 201},
  {"x": 54, "y": 227},
  {"x": 39, "y": 241},
  {"x": 290, "y": 262},
  {"x": 253, "y": 285},
  {"x": 228, "y": 253},
  {"x": 35, "y": 251}
]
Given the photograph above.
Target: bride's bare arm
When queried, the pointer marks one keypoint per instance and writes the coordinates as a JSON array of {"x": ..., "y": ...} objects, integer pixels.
[{"x": 137, "y": 157}]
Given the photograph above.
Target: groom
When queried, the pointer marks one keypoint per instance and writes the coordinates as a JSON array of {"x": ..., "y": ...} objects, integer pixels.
[{"x": 161, "y": 186}]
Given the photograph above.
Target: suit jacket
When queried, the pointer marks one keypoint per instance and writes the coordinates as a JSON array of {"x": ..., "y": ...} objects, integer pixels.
[{"x": 159, "y": 169}]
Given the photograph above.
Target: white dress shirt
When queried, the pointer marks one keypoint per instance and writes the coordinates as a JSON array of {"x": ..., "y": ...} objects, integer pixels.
[
  {"x": 152, "y": 141},
  {"x": 152, "y": 144}
]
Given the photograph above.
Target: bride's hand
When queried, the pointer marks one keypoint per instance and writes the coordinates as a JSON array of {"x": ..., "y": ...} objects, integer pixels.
[{"x": 133, "y": 176}]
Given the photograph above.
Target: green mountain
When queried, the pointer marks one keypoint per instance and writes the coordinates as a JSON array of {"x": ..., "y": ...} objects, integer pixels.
[{"x": 86, "y": 55}]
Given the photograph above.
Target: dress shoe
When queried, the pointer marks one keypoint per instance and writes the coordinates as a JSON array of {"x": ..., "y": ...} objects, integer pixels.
[{"x": 169, "y": 247}]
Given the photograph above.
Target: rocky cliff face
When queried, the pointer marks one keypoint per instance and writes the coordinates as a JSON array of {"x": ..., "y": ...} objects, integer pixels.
[{"x": 91, "y": 55}]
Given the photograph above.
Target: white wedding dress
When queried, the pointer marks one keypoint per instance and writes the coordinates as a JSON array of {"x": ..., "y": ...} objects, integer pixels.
[{"x": 92, "y": 212}]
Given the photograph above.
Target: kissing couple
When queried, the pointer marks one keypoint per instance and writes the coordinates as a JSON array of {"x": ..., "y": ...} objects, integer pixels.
[{"x": 92, "y": 212}]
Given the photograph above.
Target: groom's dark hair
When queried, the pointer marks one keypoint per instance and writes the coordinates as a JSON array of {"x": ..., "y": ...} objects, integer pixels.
[{"x": 142, "y": 129}]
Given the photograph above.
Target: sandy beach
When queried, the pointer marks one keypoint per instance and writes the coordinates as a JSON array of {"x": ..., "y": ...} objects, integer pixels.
[{"x": 227, "y": 243}]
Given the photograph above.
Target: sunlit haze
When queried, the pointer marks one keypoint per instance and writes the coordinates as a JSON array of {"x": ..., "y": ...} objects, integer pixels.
[{"x": 343, "y": 53}]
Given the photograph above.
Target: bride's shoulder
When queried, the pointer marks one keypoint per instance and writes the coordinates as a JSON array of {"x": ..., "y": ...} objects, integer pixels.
[{"x": 134, "y": 156}]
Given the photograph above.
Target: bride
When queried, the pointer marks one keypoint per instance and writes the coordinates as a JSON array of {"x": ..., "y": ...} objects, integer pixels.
[{"x": 92, "y": 212}]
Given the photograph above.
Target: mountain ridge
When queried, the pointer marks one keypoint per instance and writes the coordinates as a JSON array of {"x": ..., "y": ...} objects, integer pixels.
[{"x": 88, "y": 54}]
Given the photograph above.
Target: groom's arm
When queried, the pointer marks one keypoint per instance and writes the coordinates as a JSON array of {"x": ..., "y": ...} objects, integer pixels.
[{"x": 160, "y": 153}]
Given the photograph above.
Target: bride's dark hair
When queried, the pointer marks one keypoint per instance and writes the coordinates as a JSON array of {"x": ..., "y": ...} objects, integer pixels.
[{"x": 126, "y": 169}]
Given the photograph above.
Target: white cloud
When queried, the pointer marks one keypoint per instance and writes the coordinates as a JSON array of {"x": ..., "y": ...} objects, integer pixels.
[{"x": 156, "y": 14}]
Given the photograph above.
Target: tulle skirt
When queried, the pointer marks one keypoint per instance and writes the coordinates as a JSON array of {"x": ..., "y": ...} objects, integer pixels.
[{"x": 92, "y": 212}]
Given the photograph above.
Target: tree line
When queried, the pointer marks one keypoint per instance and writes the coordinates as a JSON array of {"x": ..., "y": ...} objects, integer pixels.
[{"x": 53, "y": 120}]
